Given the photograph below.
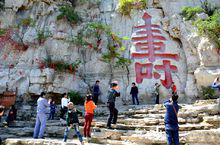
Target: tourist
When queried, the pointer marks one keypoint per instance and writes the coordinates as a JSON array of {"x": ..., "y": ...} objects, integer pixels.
[
  {"x": 134, "y": 93},
  {"x": 173, "y": 88},
  {"x": 72, "y": 121},
  {"x": 216, "y": 84},
  {"x": 2, "y": 108},
  {"x": 89, "y": 109},
  {"x": 112, "y": 94},
  {"x": 52, "y": 110},
  {"x": 12, "y": 113},
  {"x": 64, "y": 103},
  {"x": 171, "y": 120},
  {"x": 42, "y": 105},
  {"x": 1, "y": 114},
  {"x": 157, "y": 92},
  {"x": 96, "y": 92}
]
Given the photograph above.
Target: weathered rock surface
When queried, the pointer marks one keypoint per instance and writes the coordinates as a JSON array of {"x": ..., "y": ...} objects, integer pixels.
[{"x": 195, "y": 52}]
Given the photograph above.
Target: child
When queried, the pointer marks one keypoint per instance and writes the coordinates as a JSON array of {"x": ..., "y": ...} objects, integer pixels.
[
  {"x": 1, "y": 111},
  {"x": 89, "y": 108},
  {"x": 72, "y": 121},
  {"x": 171, "y": 120},
  {"x": 11, "y": 116},
  {"x": 1, "y": 114},
  {"x": 52, "y": 110}
]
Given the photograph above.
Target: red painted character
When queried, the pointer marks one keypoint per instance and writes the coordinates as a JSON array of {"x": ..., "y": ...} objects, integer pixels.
[{"x": 148, "y": 44}]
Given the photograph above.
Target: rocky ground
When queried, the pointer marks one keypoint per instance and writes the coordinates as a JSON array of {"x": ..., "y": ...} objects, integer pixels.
[{"x": 137, "y": 125}]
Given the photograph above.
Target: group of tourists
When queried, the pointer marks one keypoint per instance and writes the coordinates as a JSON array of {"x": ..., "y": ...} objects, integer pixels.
[{"x": 70, "y": 113}]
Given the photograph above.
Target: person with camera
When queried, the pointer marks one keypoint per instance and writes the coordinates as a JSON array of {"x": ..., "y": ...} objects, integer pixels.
[
  {"x": 171, "y": 120},
  {"x": 112, "y": 94}
]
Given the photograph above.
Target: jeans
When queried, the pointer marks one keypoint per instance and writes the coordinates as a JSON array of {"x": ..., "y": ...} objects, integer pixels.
[
  {"x": 135, "y": 97},
  {"x": 87, "y": 124},
  {"x": 172, "y": 136},
  {"x": 95, "y": 98},
  {"x": 76, "y": 128},
  {"x": 113, "y": 116},
  {"x": 51, "y": 116},
  {"x": 157, "y": 99},
  {"x": 63, "y": 112},
  {"x": 40, "y": 125}
]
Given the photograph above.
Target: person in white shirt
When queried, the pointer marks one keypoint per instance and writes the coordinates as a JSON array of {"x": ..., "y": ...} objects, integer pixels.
[{"x": 64, "y": 103}]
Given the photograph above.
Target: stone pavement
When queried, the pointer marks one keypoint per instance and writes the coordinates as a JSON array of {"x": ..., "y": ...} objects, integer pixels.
[{"x": 137, "y": 125}]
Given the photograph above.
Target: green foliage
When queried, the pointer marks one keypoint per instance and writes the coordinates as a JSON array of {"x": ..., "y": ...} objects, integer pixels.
[
  {"x": 42, "y": 35},
  {"x": 27, "y": 22},
  {"x": 91, "y": 36},
  {"x": 2, "y": 32},
  {"x": 189, "y": 12},
  {"x": 67, "y": 12},
  {"x": 126, "y": 6},
  {"x": 60, "y": 66},
  {"x": 76, "y": 98},
  {"x": 208, "y": 92},
  {"x": 210, "y": 27}
]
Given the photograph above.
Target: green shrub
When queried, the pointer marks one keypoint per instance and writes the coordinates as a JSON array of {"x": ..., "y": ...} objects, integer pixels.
[
  {"x": 189, "y": 12},
  {"x": 60, "y": 66},
  {"x": 43, "y": 35},
  {"x": 208, "y": 92},
  {"x": 76, "y": 98},
  {"x": 67, "y": 12},
  {"x": 210, "y": 27},
  {"x": 2, "y": 32},
  {"x": 90, "y": 37},
  {"x": 126, "y": 6},
  {"x": 27, "y": 22}
]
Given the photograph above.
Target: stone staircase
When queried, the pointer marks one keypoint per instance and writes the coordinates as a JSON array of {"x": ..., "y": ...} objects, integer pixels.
[{"x": 199, "y": 124}]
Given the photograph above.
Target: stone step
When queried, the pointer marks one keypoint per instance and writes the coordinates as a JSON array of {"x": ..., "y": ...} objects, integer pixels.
[
  {"x": 143, "y": 126},
  {"x": 155, "y": 137},
  {"x": 47, "y": 141}
]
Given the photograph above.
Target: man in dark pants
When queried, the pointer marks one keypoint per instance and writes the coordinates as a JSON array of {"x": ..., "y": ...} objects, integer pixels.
[
  {"x": 171, "y": 120},
  {"x": 112, "y": 94},
  {"x": 134, "y": 93},
  {"x": 96, "y": 92}
]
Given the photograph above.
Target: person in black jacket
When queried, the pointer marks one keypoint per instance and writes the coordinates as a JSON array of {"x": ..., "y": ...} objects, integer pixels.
[
  {"x": 72, "y": 121},
  {"x": 112, "y": 94},
  {"x": 96, "y": 92},
  {"x": 134, "y": 93}
]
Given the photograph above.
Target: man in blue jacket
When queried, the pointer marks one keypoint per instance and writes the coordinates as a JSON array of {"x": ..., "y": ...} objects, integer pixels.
[
  {"x": 216, "y": 84},
  {"x": 171, "y": 120}
]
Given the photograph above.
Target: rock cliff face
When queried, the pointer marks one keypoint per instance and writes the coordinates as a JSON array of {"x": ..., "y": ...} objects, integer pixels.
[{"x": 188, "y": 59}]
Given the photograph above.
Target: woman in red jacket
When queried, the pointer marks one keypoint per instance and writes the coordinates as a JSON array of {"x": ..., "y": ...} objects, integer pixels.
[{"x": 89, "y": 109}]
